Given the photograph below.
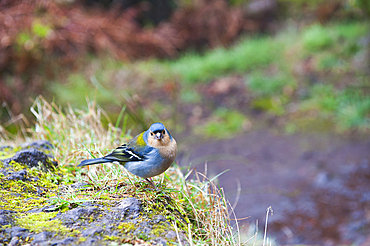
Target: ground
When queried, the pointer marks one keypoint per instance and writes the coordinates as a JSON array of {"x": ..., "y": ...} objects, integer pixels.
[{"x": 317, "y": 184}]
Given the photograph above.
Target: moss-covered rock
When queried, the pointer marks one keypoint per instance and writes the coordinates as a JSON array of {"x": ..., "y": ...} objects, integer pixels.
[{"x": 34, "y": 209}]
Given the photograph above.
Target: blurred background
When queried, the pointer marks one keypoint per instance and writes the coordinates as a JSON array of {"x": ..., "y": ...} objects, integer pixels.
[{"x": 277, "y": 92}]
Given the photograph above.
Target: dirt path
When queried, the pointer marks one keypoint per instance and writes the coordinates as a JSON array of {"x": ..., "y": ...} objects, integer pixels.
[{"x": 318, "y": 185}]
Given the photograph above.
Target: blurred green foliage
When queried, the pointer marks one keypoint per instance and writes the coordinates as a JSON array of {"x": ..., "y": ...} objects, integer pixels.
[
  {"x": 224, "y": 123},
  {"x": 272, "y": 105},
  {"x": 317, "y": 37},
  {"x": 349, "y": 107},
  {"x": 353, "y": 111},
  {"x": 247, "y": 55},
  {"x": 190, "y": 96},
  {"x": 28, "y": 40},
  {"x": 364, "y": 5},
  {"x": 42, "y": 31},
  {"x": 264, "y": 85},
  {"x": 351, "y": 30},
  {"x": 22, "y": 38}
]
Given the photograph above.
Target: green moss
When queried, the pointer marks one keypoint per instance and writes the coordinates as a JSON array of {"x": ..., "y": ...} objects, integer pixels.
[
  {"x": 21, "y": 196},
  {"x": 159, "y": 229},
  {"x": 82, "y": 239},
  {"x": 112, "y": 238},
  {"x": 8, "y": 152},
  {"x": 38, "y": 222},
  {"x": 143, "y": 236},
  {"x": 126, "y": 227}
]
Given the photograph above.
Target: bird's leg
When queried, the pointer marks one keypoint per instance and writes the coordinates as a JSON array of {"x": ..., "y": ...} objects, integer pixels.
[{"x": 151, "y": 182}]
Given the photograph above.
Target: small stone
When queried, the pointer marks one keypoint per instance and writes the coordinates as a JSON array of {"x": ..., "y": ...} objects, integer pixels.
[
  {"x": 7, "y": 147},
  {"x": 159, "y": 241},
  {"x": 79, "y": 186},
  {"x": 4, "y": 220},
  {"x": 64, "y": 241},
  {"x": 159, "y": 218},
  {"x": 92, "y": 231},
  {"x": 17, "y": 231},
  {"x": 41, "y": 237},
  {"x": 20, "y": 175},
  {"x": 130, "y": 206},
  {"x": 5, "y": 217},
  {"x": 40, "y": 144},
  {"x": 14, "y": 241},
  {"x": 48, "y": 208},
  {"x": 74, "y": 214},
  {"x": 90, "y": 241},
  {"x": 171, "y": 235},
  {"x": 4, "y": 211}
]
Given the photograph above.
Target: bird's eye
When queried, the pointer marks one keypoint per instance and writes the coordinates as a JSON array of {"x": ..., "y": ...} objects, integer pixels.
[
  {"x": 151, "y": 133},
  {"x": 164, "y": 132}
]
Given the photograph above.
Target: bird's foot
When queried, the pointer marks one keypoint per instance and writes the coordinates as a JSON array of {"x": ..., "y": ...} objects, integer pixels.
[{"x": 152, "y": 183}]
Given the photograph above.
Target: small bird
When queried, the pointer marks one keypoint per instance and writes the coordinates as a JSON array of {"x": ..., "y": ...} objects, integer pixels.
[{"x": 147, "y": 155}]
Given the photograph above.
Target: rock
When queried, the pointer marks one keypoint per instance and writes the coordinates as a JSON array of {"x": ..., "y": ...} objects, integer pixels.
[
  {"x": 32, "y": 158},
  {"x": 144, "y": 229},
  {"x": 159, "y": 241},
  {"x": 75, "y": 214},
  {"x": 20, "y": 175},
  {"x": 91, "y": 223},
  {"x": 131, "y": 207},
  {"x": 92, "y": 231},
  {"x": 79, "y": 186},
  {"x": 159, "y": 218},
  {"x": 91, "y": 241},
  {"x": 6, "y": 147},
  {"x": 40, "y": 144},
  {"x": 4, "y": 172},
  {"x": 48, "y": 208},
  {"x": 41, "y": 237},
  {"x": 14, "y": 242},
  {"x": 171, "y": 235},
  {"x": 64, "y": 241},
  {"x": 17, "y": 231},
  {"x": 5, "y": 217},
  {"x": 322, "y": 179}
]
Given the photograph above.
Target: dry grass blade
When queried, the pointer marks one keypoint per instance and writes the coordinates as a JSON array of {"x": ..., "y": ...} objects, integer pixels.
[
  {"x": 208, "y": 210},
  {"x": 73, "y": 130}
]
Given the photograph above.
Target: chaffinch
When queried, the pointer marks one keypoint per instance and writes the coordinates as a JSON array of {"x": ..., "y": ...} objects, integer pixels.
[{"x": 147, "y": 155}]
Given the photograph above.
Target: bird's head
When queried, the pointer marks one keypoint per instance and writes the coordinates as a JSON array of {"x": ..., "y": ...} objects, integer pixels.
[{"x": 158, "y": 135}]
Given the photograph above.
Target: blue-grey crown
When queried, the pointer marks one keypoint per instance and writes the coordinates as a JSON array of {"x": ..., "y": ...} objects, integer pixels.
[{"x": 155, "y": 127}]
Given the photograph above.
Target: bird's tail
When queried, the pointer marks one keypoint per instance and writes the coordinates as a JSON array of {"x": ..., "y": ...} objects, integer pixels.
[{"x": 93, "y": 162}]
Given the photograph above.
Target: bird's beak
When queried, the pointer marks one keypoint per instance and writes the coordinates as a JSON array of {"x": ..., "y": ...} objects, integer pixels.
[{"x": 158, "y": 135}]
